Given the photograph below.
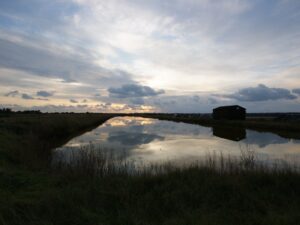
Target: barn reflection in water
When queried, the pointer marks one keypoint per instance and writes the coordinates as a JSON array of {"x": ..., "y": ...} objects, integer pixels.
[{"x": 230, "y": 133}]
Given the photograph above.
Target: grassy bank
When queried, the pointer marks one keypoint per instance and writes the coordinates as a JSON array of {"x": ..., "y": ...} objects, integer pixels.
[
  {"x": 29, "y": 139},
  {"x": 287, "y": 129},
  {"x": 32, "y": 193}
]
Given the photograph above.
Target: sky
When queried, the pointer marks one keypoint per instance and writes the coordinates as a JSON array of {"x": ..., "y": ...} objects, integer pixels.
[{"x": 184, "y": 56}]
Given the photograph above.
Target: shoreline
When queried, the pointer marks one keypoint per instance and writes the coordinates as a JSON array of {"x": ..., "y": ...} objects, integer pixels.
[{"x": 285, "y": 129}]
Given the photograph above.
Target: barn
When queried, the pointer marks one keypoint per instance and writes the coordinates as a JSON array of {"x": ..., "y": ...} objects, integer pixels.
[{"x": 232, "y": 112}]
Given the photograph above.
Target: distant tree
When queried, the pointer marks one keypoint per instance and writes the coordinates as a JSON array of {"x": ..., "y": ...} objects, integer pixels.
[
  {"x": 29, "y": 112},
  {"x": 5, "y": 111}
]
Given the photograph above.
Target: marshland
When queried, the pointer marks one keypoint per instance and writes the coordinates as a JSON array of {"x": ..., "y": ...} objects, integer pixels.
[
  {"x": 125, "y": 169},
  {"x": 149, "y": 112}
]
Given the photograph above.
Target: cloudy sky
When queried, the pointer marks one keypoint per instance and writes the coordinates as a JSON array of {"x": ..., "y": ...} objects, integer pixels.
[{"x": 142, "y": 55}]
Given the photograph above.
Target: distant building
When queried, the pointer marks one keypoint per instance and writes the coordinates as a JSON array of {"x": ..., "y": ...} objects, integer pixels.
[{"x": 232, "y": 112}]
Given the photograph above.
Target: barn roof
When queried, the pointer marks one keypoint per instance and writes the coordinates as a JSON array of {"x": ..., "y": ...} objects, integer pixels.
[{"x": 229, "y": 107}]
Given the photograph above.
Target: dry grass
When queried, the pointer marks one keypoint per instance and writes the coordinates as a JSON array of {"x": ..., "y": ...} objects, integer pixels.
[{"x": 91, "y": 161}]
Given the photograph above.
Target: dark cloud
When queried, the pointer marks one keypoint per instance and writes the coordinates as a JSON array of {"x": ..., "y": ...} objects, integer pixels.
[
  {"x": 84, "y": 101},
  {"x": 27, "y": 96},
  {"x": 137, "y": 101},
  {"x": 296, "y": 91},
  {"x": 44, "y": 93},
  {"x": 261, "y": 93},
  {"x": 133, "y": 90},
  {"x": 68, "y": 67},
  {"x": 73, "y": 101},
  {"x": 12, "y": 94},
  {"x": 37, "y": 61}
]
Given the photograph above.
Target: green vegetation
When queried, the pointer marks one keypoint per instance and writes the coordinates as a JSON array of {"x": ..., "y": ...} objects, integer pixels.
[
  {"x": 28, "y": 139},
  {"x": 219, "y": 191}
]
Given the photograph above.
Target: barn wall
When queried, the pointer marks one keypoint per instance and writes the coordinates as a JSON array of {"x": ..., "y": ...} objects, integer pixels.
[{"x": 229, "y": 113}]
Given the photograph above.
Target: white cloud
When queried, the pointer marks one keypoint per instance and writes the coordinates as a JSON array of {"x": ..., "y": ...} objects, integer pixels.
[{"x": 180, "y": 46}]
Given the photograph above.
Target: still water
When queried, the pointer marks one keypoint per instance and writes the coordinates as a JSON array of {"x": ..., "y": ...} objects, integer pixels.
[{"x": 146, "y": 140}]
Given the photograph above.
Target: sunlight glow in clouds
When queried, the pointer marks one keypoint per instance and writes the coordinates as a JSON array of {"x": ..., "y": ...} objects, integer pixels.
[{"x": 139, "y": 55}]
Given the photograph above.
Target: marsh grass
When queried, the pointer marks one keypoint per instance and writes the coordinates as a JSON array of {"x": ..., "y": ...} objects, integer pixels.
[
  {"x": 28, "y": 140},
  {"x": 103, "y": 188},
  {"x": 92, "y": 161}
]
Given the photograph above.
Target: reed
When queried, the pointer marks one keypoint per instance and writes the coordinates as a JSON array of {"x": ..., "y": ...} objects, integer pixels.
[
  {"x": 99, "y": 186},
  {"x": 92, "y": 161}
]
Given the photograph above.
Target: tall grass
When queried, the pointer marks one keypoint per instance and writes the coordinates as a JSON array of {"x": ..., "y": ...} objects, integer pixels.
[
  {"x": 94, "y": 161},
  {"x": 91, "y": 162},
  {"x": 29, "y": 139}
]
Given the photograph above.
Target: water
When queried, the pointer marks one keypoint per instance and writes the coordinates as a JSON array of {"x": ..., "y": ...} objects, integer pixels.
[{"x": 146, "y": 140}]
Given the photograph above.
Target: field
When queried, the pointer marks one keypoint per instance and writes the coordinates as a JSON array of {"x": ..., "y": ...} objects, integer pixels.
[{"x": 32, "y": 192}]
